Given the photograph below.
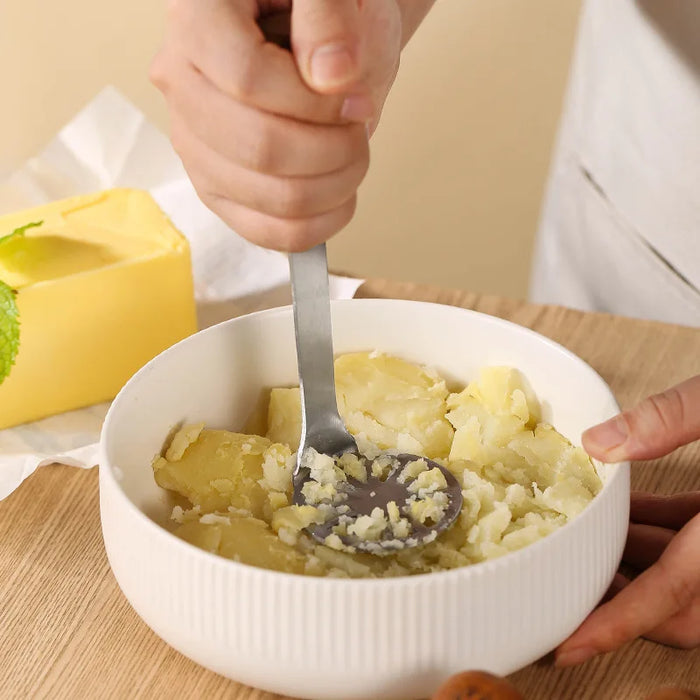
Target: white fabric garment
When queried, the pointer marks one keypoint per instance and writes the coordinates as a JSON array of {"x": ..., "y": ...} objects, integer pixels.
[{"x": 620, "y": 228}]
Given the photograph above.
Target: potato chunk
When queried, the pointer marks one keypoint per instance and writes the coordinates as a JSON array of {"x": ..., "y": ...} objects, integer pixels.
[
  {"x": 394, "y": 403},
  {"x": 391, "y": 402},
  {"x": 219, "y": 469},
  {"x": 246, "y": 540},
  {"x": 284, "y": 417}
]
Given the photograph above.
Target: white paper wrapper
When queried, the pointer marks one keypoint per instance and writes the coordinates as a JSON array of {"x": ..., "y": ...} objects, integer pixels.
[{"x": 111, "y": 144}]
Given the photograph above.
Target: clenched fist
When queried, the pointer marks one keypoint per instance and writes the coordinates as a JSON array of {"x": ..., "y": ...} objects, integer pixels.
[{"x": 274, "y": 139}]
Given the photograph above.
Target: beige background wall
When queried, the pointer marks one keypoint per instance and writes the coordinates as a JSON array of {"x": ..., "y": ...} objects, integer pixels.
[{"x": 459, "y": 161}]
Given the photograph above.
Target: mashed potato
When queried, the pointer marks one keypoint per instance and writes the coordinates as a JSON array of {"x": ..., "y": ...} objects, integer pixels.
[{"x": 521, "y": 479}]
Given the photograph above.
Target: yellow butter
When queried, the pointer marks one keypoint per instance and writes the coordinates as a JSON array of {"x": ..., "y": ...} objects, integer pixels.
[{"x": 103, "y": 286}]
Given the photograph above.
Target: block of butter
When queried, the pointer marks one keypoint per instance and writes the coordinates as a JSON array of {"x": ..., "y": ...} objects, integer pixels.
[{"x": 102, "y": 286}]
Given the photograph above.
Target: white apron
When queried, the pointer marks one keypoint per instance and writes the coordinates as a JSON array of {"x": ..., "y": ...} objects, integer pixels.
[{"x": 620, "y": 228}]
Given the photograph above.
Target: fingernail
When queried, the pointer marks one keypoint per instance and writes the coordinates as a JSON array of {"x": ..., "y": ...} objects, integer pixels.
[
  {"x": 332, "y": 65},
  {"x": 357, "y": 108},
  {"x": 608, "y": 436},
  {"x": 573, "y": 657}
]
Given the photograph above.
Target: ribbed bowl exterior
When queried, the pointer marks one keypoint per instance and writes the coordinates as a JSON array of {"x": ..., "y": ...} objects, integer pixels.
[
  {"x": 335, "y": 639},
  {"x": 345, "y": 640}
]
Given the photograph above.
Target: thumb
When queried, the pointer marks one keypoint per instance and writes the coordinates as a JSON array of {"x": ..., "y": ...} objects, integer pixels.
[
  {"x": 653, "y": 428},
  {"x": 326, "y": 43}
]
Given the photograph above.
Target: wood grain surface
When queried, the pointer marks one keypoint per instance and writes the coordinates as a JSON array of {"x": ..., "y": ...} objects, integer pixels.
[{"x": 66, "y": 631}]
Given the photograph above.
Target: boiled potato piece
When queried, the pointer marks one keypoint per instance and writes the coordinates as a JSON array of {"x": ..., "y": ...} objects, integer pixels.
[
  {"x": 390, "y": 402},
  {"x": 553, "y": 458},
  {"x": 504, "y": 391},
  {"x": 219, "y": 469},
  {"x": 488, "y": 414},
  {"x": 284, "y": 417},
  {"x": 394, "y": 403},
  {"x": 246, "y": 540}
]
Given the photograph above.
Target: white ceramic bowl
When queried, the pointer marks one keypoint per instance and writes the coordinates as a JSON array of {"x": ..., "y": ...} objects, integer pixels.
[{"x": 350, "y": 639}]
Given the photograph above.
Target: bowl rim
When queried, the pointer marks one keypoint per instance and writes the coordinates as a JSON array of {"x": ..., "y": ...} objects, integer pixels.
[{"x": 619, "y": 470}]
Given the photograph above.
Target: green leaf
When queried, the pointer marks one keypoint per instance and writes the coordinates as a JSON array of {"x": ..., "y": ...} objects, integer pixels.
[
  {"x": 19, "y": 232},
  {"x": 9, "y": 330},
  {"x": 9, "y": 313}
]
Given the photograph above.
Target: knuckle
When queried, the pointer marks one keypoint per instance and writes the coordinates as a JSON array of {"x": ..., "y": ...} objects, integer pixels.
[
  {"x": 349, "y": 210},
  {"x": 233, "y": 215},
  {"x": 202, "y": 186},
  {"x": 349, "y": 146},
  {"x": 258, "y": 153},
  {"x": 245, "y": 78},
  {"x": 364, "y": 168},
  {"x": 209, "y": 199},
  {"x": 681, "y": 590},
  {"x": 355, "y": 146},
  {"x": 178, "y": 138},
  {"x": 293, "y": 200},
  {"x": 613, "y": 636},
  {"x": 297, "y": 235},
  {"x": 158, "y": 72},
  {"x": 670, "y": 407},
  {"x": 294, "y": 236},
  {"x": 665, "y": 411}
]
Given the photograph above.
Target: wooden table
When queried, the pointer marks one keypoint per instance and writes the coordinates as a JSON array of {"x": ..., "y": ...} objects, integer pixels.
[{"x": 66, "y": 631}]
